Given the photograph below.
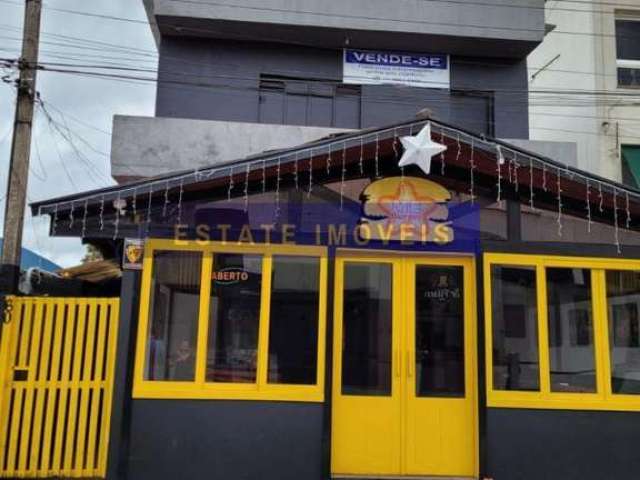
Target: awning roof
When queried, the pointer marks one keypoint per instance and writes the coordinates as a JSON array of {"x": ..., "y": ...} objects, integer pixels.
[{"x": 467, "y": 150}]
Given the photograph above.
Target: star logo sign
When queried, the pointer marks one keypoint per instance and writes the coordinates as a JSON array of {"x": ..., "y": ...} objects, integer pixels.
[
  {"x": 406, "y": 204},
  {"x": 419, "y": 150}
]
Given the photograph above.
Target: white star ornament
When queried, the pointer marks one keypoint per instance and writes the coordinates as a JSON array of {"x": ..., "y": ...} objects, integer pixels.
[{"x": 420, "y": 149}]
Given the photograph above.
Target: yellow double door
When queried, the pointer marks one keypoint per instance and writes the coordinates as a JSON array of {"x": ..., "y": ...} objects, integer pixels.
[{"x": 404, "y": 397}]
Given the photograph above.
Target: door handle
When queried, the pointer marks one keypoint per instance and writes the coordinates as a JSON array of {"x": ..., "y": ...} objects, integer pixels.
[
  {"x": 398, "y": 360},
  {"x": 409, "y": 364}
]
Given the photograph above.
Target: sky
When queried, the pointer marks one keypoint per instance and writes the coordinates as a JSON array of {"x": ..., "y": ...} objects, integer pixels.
[{"x": 83, "y": 105}]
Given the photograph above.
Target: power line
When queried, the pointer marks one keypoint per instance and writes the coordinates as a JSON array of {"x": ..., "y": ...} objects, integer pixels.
[
  {"x": 361, "y": 17},
  {"x": 70, "y": 68}
]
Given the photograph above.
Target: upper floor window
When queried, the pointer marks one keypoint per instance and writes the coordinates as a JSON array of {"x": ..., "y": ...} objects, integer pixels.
[
  {"x": 628, "y": 51},
  {"x": 308, "y": 102},
  {"x": 631, "y": 165}
]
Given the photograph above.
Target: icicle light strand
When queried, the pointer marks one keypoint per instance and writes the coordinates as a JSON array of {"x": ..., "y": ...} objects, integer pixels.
[
  {"x": 559, "y": 220},
  {"x": 588, "y": 201},
  {"x": 531, "y": 190},
  {"x": 628, "y": 211},
  {"x": 180, "y": 194},
  {"x": 472, "y": 172},
  {"x": 616, "y": 230},
  {"x": 102, "y": 214},
  {"x": 601, "y": 198},
  {"x": 278, "y": 180},
  {"x": 310, "y": 189},
  {"x": 499, "y": 162},
  {"x": 166, "y": 201},
  {"x": 71, "y": 219},
  {"x": 85, "y": 213},
  {"x": 246, "y": 188},
  {"x": 344, "y": 175},
  {"x": 196, "y": 175},
  {"x": 116, "y": 222}
]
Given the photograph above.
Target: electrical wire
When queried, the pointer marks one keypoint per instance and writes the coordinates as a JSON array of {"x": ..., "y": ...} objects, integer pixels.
[
  {"x": 553, "y": 101},
  {"x": 362, "y": 17}
]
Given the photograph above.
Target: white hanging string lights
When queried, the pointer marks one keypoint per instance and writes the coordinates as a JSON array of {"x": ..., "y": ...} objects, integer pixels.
[
  {"x": 499, "y": 163},
  {"x": 101, "y": 214},
  {"x": 71, "y": 219},
  {"x": 472, "y": 172},
  {"x": 310, "y": 189},
  {"x": 615, "y": 220},
  {"x": 278, "y": 180},
  {"x": 531, "y": 187},
  {"x": 246, "y": 188},
  {"x": 588, "y": 203},
  {"x": 230, "y": 187},
  {"x": 343, "y": 174},
  {"x": 559, "y": 188},
  {"x": 485, "y": 144}
]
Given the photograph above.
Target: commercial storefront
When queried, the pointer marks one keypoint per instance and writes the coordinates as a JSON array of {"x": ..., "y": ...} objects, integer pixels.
[{"x": 367, "y": 306}]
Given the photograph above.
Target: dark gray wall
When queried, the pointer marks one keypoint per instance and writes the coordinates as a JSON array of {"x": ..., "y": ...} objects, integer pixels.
[
  {"x": 561, "y": 444},
  {"x": 191, "y": 440},
  {"x": 226, "y": 77}
]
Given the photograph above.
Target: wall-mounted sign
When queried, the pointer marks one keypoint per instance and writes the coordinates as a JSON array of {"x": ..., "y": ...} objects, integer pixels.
[
  {"x": 133, "y": 254},
  {"x": 406, "y": 209},
  {"x": 230, "y": 275},
  {"x": 367, "y": 67}
]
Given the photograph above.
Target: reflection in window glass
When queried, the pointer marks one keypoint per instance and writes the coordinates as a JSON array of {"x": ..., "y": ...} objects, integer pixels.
[
  {"x": 234, "y": 318},
  {"x": 515, "y": 328},
  {"x": 293, "y": 325},
  {"x": 623, "y": 299},
  {"x": 439, "y": 332},
  {"x": 367, "y": 321},
  {"x": 173, "y": 325},
  {"x": 571, "y": 350}
]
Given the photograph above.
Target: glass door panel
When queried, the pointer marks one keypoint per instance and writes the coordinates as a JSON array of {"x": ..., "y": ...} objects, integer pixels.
[
  {"x": 367, "y": 329},
  {"x": 439, "y": 342},
  {"x": 366, "y": 432},
  {"x": 439, "y": 406}
]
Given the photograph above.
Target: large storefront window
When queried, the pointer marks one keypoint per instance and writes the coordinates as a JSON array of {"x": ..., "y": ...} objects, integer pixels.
[
  {"x": 623, "y": 301},
  {"x": 565, "y": 332},
  {"x": 293, "y": 328},
  {"x": 234, "y": 319},
  {"x": 173, "y": 320},
  {"x": 237, "y": 322},
  {"x": 570, "y": 319}
]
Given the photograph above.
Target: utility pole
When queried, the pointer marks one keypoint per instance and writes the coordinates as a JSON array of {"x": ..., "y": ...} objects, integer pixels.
[{"x": 20, "y": 150}]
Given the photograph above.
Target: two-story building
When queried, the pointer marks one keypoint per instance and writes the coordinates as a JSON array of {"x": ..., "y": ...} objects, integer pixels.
[{"x": 333, "y": 287}]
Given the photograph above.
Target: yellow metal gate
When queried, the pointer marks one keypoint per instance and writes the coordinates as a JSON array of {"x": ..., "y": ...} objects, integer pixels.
[{"x": 57, "y": 359}]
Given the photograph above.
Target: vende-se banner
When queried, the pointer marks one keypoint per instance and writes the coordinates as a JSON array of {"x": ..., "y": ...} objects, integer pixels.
[{"x": 367, "y": 67}]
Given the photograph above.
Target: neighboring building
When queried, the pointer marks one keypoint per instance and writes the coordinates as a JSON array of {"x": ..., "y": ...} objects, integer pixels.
[
  {"x": 594, "y": 49},
  {"x": 33, "y": 260}
]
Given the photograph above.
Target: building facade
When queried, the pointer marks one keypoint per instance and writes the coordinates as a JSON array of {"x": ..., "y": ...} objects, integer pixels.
[
  {"x": 236, "y": 80},
  {"x": 593, "y": 50},
  {"x": 334, "y": 288}
]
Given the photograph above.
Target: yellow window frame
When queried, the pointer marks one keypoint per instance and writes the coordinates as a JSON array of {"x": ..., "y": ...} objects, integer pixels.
[
  {"x": 604, "y": 398},
  {"x": 199, "y": 388}
]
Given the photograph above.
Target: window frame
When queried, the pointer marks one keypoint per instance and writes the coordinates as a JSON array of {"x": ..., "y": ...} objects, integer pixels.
[
  {"x": 623, "y": 63},
  {"x": 603, "y": 398},
  {"x": 199, "y": 388}
]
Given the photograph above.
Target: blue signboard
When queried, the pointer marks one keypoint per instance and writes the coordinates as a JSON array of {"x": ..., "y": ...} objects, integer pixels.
[{"x": 401, "y": 68}]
